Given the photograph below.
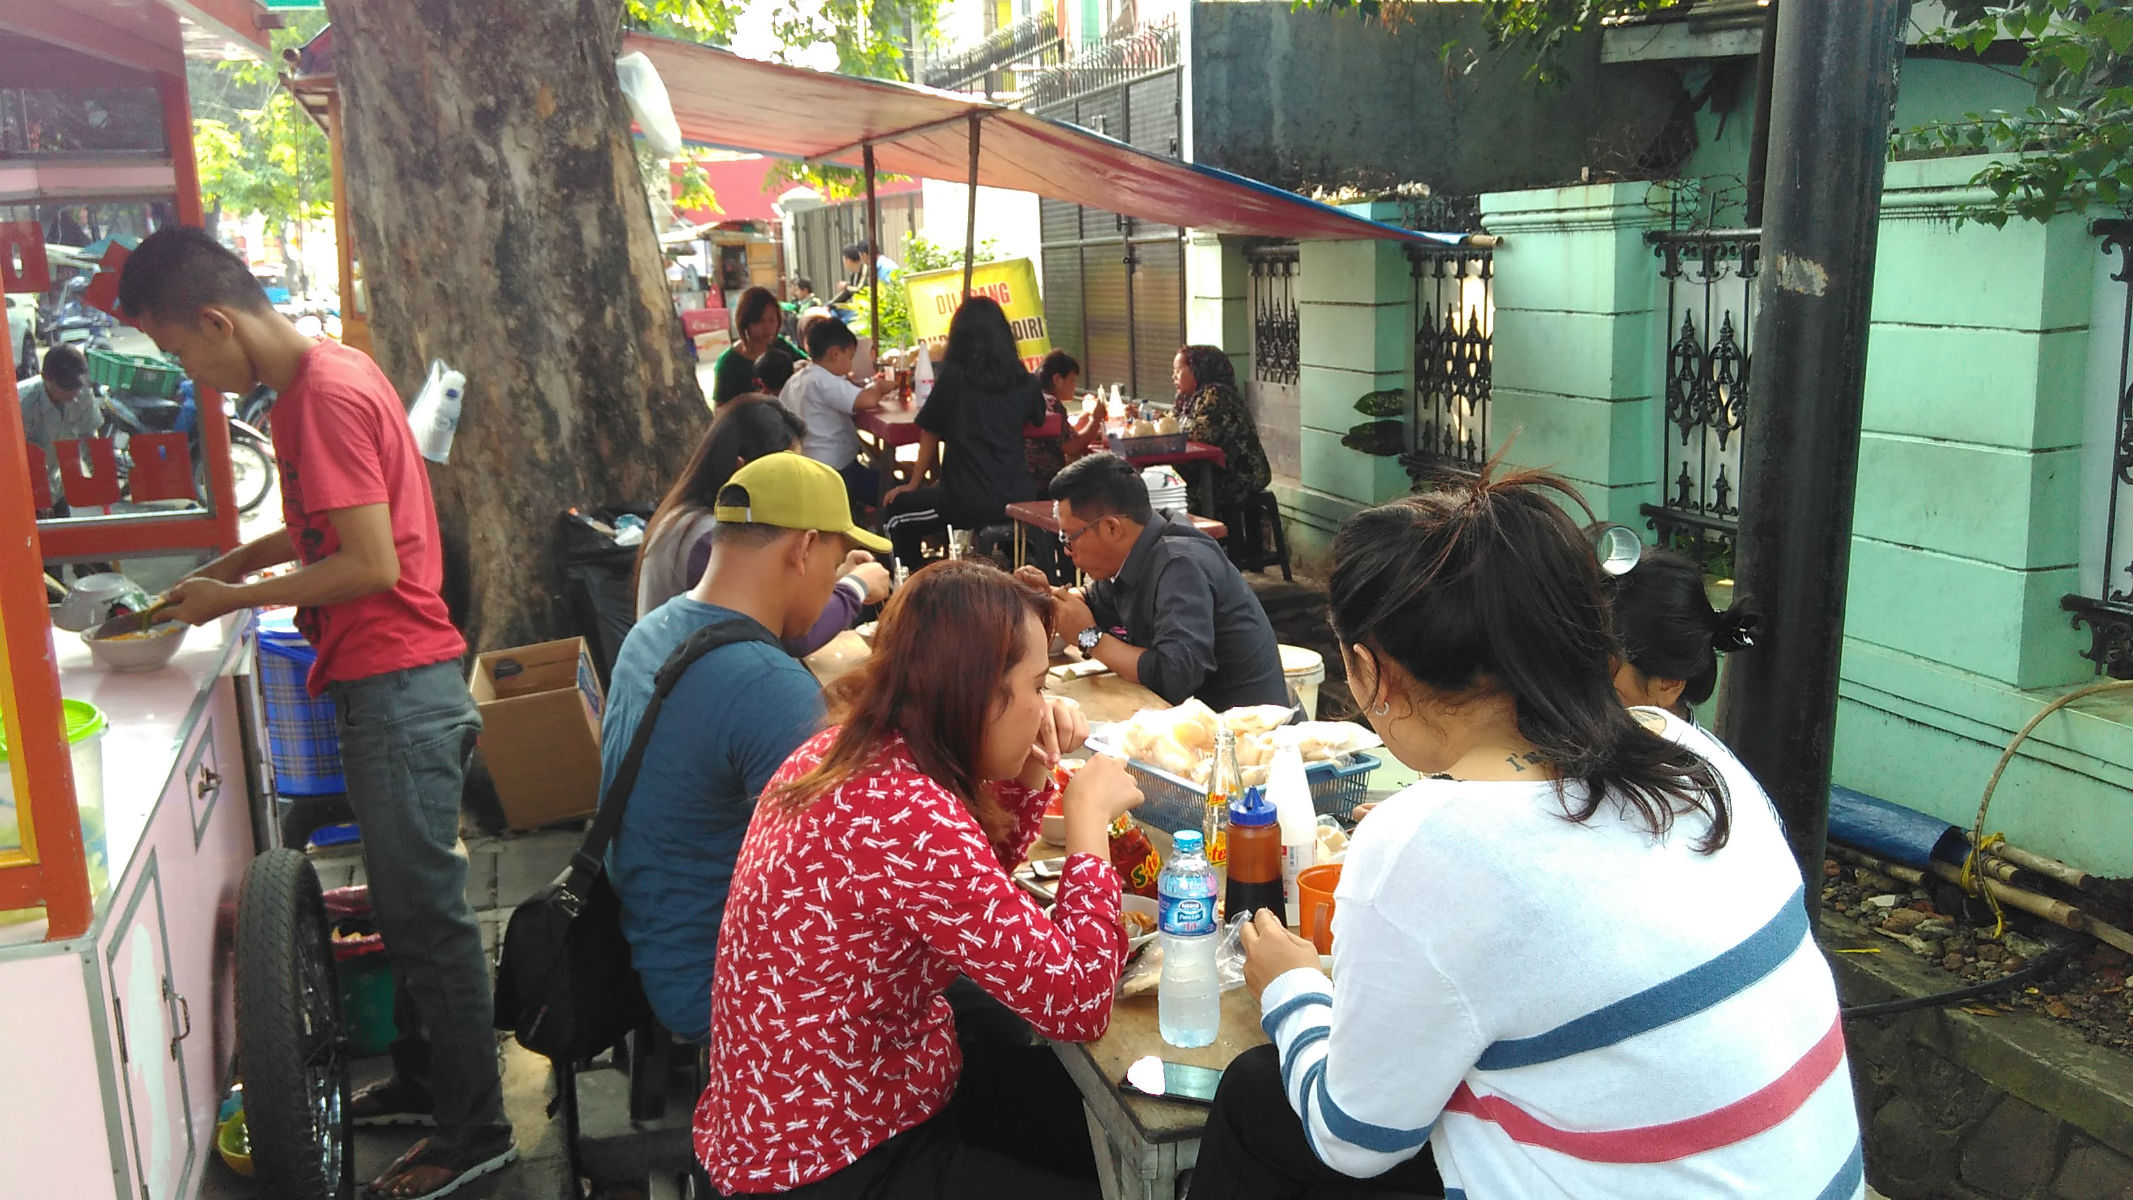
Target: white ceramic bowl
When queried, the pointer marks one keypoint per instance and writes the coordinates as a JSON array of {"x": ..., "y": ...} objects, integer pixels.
[
  {"x": 1139, "y": 904},
  {"x": 146, "y": 652}
]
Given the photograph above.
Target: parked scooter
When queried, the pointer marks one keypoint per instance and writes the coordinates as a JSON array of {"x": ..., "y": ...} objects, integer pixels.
[
  {"x": 74, "y": 322},
  {"x": 251, "y": 450}
]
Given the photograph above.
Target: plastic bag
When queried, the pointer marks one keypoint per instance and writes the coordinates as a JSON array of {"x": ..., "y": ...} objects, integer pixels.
[
  {"x": 1145, "y": 972},
  {"x": 435, "y": 414},
  {"x": 647, "y": 96}
]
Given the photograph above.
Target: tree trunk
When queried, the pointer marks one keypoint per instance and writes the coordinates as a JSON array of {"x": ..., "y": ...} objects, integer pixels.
[{"x": 494, "y": 196}]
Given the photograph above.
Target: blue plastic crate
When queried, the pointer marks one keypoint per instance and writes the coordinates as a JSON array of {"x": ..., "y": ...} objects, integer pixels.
[
  {"x": 303, "y": 735},
  {"x": 1170, "y": 803}
]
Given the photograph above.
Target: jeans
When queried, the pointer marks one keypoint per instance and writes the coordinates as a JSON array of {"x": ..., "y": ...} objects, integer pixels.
[
  {"x": 405, "y": 739},
  {"x": 1254, "y": 1146}
]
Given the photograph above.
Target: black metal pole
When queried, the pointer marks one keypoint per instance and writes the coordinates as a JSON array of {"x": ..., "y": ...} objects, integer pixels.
[
  {"x": 1759, "y": 134},
  {"x": 1834, "y": 96}
]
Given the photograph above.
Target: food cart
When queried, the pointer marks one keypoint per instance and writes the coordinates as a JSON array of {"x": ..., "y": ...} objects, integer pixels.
[{"x": 135, "y": 804}]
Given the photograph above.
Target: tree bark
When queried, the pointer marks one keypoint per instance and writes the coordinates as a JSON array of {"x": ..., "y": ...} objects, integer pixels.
[{"x": 495, "y": 199}]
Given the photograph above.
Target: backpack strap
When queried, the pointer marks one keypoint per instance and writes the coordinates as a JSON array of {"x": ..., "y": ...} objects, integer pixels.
[{"x": 588, "y": 862}]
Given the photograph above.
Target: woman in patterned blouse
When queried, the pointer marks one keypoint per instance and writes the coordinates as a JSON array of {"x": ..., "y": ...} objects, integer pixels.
[
  {"x": 1210, "y": 409},
  {"x": 874, "y": 873}
]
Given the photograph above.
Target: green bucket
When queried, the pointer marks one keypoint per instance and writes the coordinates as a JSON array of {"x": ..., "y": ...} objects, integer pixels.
[{"x": 85, "y": 725}]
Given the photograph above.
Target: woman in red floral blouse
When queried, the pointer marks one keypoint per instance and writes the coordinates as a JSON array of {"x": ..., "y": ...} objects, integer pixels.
[{"x": 874, "y": 873}]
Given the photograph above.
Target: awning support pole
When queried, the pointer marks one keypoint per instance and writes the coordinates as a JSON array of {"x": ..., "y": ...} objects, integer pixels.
[
  {"x": 970, "y": 220},
  {"x": 873, "y": 261}
]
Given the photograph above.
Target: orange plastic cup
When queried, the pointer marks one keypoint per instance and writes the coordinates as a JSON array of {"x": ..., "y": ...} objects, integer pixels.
[{"x": 1314, "y": 889}]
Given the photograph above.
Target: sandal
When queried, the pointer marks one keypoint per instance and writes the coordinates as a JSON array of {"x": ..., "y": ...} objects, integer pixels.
[
  {"x": 446, "y": 1166},
  {"x": 395, "y": 1100}
]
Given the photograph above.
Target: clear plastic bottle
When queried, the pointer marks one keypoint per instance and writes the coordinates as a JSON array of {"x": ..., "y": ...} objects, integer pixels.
[
  {"x": 1288, "y": 789},
  {"x": 1189, "y": 997}
]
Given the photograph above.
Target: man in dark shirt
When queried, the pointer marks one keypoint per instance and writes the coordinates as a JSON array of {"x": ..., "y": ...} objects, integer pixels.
[{"x": 1169, "y": 611}]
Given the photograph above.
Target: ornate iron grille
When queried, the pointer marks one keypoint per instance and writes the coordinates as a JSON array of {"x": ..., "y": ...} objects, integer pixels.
[
  {"x": 990, "y": 65},
  {"x": 1710, "y": 303},
  {"x": 1275, "y": 343},
  {"x": 2108, "y": 613},
  {"x": 1455, "y": 330},
  {"x": 1145, "y": 51}
]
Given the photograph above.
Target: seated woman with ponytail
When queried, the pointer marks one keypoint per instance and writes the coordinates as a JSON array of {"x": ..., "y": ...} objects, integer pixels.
[
  {"x": 1572, "y": 961},
  {"x": 1670, "y": 636}
]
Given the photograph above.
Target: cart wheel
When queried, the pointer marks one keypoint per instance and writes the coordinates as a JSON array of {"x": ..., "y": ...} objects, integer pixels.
[{"x": 289, "y": 1033}]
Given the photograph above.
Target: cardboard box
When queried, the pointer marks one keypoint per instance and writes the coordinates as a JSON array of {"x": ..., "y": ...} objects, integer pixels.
[{"x": 540, "y": 737}]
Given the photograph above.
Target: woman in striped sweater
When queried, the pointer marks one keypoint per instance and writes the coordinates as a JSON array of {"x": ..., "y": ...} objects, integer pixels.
[{"x": 1574, "y": 961}]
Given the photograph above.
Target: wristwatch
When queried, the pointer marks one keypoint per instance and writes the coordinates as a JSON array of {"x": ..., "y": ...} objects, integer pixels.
[{"x": 1088, "y": 638}]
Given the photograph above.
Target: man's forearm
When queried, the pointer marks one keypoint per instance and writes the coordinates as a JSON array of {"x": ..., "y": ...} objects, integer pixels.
[
  {"x": 334, "y": 579},
  {"x": 1123, "y": 659},
  {"x": 254, "y": 556}
]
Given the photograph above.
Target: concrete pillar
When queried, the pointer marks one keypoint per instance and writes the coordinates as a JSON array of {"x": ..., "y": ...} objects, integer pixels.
[
  {"x": 1577, "y": 355},
  {"x": 1218, "y": 297},
  {"x": 1355, "y": 313}
]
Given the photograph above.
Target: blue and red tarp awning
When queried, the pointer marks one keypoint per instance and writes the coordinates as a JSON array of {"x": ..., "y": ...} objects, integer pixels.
[{"x": 722, "y": 99}]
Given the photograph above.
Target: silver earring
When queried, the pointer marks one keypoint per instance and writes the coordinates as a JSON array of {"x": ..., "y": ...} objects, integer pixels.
[{"x": 1382, "y": 709}]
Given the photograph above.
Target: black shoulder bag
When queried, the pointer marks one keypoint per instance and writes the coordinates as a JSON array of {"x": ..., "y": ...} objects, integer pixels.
[{"x": 564, "y": 984}]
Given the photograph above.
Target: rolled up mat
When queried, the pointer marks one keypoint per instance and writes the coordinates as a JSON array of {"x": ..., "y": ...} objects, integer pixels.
[{"x": 1891, "y": 831}]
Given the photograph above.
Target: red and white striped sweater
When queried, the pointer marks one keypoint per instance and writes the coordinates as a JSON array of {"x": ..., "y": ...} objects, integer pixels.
[{"x": 845, "y": 924}]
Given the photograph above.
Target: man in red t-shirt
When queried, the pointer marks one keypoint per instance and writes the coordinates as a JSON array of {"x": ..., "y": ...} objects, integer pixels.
[{"x": 360, "y": 522}]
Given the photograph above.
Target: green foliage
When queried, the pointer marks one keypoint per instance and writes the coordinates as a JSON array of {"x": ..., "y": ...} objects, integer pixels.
[
  {"x": 1379, "y": 439},
  {"x": 1543, "y": 27},
  {"x": 833, "y": 184},
  {"x": 2074, "y": 147},
  {"x": 871, "y": 37},
  {"x": 255, "y": 148},
  {"x": 918, "y": 255},
  {"x": 1391, "y": 402}
]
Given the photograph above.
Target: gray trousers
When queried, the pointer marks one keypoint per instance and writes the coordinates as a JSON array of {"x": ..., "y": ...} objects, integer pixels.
[{"x": 405, "y": 739}]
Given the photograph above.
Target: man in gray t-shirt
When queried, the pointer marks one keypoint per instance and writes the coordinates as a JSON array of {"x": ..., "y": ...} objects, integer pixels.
[{"x": 59, "y": 405}]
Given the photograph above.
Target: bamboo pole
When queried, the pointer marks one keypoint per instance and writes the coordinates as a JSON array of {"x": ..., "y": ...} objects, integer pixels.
[
  {"x": 970, "y": 221},
  {"x": 873, "y": 258},
  {"x": 2050, "y": 868},
  {"x": 2058, "y": 912}
]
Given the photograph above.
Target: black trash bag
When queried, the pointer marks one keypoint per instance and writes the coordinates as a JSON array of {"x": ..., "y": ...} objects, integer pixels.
[{"x": 598, "y": 580}]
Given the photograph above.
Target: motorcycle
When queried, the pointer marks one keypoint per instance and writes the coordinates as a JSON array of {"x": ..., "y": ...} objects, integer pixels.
[
  {"x": 73, "y": 322},
  {"x": 251, "y": 449}
]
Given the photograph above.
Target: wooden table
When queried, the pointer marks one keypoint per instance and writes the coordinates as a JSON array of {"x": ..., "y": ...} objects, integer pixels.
[
  {"x": 886, "y": 429},
  {"x": 1199, "y": 461},
  {"x": 1038, "y": 514},
  {"x": 1143, "y": 1143}
]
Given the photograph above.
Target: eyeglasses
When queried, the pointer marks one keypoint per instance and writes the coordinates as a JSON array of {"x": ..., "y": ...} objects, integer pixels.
[{"x": 1066, "y": 541}]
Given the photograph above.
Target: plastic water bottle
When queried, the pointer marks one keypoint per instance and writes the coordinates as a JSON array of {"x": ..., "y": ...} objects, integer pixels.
[{"x": 1189, "y": 998}]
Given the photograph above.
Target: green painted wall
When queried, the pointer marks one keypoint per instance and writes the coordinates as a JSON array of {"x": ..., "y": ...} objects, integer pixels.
[{"x": 1966, "y": 527}]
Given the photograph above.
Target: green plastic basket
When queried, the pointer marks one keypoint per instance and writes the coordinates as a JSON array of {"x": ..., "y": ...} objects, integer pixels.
[
  {"x": 112, "y": 370},
  {"x": 153, "y": 377},
  {"x": 134, "y": 374}
]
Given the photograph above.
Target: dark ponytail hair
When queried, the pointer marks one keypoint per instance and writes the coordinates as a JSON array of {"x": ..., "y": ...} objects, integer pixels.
[
  {"x": 1667, "y": 628},
  {"x": 1489, "y": 584}
]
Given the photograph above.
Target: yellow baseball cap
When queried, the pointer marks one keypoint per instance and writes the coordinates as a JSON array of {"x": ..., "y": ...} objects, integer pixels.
[{"x": 792, "y": 491}]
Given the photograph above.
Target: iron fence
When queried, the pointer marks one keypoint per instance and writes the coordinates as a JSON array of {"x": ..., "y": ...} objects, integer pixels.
[
  {"x": 1276, "y": 344},
  {"x": 1455, "y": 350},
  {"x": 1145, "y": 51},
  {"x": 2108, "y": 612},
  {"x": 1710, "y": 321},
  {"x": 991, "y": 65}
]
